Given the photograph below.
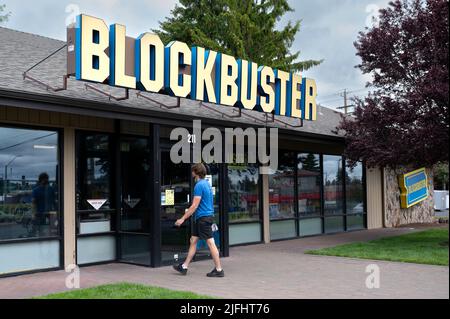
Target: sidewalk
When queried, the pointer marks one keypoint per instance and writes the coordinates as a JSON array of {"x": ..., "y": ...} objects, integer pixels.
[{"x": 276, "y": 270}]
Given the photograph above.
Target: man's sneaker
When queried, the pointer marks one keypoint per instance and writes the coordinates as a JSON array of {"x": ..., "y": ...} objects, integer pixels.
[
  {"x": 180, "y": 269},
  {"x": 216, "y": 273}
]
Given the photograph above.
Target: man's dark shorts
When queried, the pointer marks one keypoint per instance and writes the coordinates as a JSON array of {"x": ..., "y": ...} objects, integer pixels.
[{"x": 202, "y": 227}]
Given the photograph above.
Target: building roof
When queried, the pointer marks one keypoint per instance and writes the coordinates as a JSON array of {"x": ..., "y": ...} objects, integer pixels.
[{"x": 20, "y": 51}]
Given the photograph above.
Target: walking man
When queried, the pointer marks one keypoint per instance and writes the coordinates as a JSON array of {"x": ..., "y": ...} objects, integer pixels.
[{"x": 202, "y": 206}]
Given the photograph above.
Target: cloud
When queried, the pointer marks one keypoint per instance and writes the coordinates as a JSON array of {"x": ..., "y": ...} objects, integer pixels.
[{"x": 328, "y": 30}]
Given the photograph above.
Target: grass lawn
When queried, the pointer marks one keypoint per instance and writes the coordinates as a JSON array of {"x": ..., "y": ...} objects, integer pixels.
[
  {"x": 124, "y": 291},
  {"x": 425, "y": 247}
]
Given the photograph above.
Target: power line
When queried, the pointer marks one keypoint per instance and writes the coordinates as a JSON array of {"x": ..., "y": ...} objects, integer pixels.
[{"x": 341, "y": 91}]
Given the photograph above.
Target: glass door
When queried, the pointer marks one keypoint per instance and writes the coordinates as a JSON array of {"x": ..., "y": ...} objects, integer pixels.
[
  {"x": 175, "y": 198},
  {"x": 95, "y": 200},
  {"x": 135, "y": 210}
]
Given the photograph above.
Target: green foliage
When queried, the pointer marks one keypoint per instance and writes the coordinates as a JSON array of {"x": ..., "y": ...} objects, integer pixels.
[
  {"x": 310, "y": 163},
  {"x": 125, "y": 291},
  {"x": 5, "y": 16},
  {"x": 424, "y": 247},
  {"x": 440, "y": 175},
  {"x": 245, "y": 29}
]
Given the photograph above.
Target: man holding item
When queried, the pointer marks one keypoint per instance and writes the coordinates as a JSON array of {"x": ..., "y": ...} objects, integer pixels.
[{"x": 203, "y": 207}]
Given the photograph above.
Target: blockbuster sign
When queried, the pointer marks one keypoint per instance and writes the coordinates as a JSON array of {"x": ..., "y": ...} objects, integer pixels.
[
  {"x": 413, "y": 187},
  {"x": 100, "y": 54}
]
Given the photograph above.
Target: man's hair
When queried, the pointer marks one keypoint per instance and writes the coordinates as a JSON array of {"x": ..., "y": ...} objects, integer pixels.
[
  {"x": 199, "y": 169},
  {"x": 43, "y": 177}
]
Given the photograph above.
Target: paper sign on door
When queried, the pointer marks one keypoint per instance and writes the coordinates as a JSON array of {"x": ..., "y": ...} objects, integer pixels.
[
  {"x": 208, "y": 178},
  {"x": 170, "y": 197}
]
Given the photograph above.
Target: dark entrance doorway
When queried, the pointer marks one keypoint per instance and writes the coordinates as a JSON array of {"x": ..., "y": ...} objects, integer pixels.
[
  {"x": 176, "y": 195},
  {"x": 175, "y": 198}
]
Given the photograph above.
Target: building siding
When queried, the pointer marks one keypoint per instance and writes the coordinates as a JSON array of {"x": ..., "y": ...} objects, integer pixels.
[
  {"x": 54, "y": 119},
  {"x": 374, "y": 188}
]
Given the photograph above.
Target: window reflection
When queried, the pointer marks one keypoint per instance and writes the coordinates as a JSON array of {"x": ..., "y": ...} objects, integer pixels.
[
  {"x": 332, "y": 176},
  {"x": 354, "y": 189},
  {"x": 309, "y": 181},
  {"x": 29, "y": 205},
  {"x": 243, "y": 193},
  {"x": 94, "y": 166},
  {"x": 282, "y": 188},
  {"x": 93, "y": 170}
]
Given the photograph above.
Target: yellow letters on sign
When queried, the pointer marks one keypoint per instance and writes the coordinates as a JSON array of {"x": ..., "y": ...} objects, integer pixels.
[
  {"x": 117, "y": 45},
  {"x": 282, "y": 79},
  {"x": 266, "y": 73},
  {"x": 296, "y": 81},
  {"x": 310, "y": 99},
  {"x": 203, "y": 75},
  {"x": 103, "y": 53},
  {"x": 146, "y": 45},
  {"x": 245, "y": 89},
  {"x": 177, "y": 49},
  {"x": 228, "y": 81},
  {"x": 94, "y": 40}
]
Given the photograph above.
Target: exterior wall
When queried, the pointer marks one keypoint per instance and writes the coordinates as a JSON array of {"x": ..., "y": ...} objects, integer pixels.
[
  {"x": 69, "y": 197},
  {"x": 422, "y": 212},
  {"x": 265, "y": 207},
  {"x": 134, "y": 128},
  {"x": 374, "y": 189},
  {"x": 53, "y": 119}
]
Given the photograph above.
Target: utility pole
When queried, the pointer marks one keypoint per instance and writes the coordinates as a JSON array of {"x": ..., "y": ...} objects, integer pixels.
[
  {"x": 345, "y": 100},
  {"x": 344, "y": 94}
]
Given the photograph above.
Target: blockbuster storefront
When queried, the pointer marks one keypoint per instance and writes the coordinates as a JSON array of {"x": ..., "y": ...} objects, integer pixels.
[{"x": 86, "y": 175}]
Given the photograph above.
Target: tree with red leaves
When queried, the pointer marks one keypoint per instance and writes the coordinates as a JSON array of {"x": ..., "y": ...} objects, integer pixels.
[{"x": 404, "y": 120}]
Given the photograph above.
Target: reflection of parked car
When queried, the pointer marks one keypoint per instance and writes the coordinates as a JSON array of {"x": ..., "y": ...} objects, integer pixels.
[{"x": 358, "y": 208}]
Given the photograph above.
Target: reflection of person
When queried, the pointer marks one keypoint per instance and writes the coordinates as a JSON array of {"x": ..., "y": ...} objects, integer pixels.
[
  {"x": 203, "y": 207},
  {"x": 43, "y": 202}
]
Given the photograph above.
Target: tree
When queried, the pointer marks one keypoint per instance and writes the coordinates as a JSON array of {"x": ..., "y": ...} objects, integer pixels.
[
  {"x": 405, "y": 120},
  {"x": 310, "y": 162},
  {"x": 440, "y": 174},
  {"x": 242, "y": 28},
  {"x": 3, "y": 17}
]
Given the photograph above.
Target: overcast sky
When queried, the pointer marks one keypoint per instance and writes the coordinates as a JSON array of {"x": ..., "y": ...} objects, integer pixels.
[{"x": 329, "y": 28}]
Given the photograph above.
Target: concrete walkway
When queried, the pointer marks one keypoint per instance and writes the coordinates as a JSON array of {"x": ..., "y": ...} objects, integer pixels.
[{"x": 276, "y": 270}]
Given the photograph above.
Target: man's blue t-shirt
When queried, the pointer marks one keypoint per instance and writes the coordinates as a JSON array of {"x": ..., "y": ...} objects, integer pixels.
[
  {"x": 44, "y": 198},
  {"x": 206, "y": 206}
]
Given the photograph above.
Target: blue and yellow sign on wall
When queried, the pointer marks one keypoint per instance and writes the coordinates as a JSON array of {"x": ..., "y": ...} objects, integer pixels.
[{"x": 413, "y": 187}]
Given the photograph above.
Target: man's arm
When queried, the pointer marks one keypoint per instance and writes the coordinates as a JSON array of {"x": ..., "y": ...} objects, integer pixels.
[{"x": 191, "y": 210}]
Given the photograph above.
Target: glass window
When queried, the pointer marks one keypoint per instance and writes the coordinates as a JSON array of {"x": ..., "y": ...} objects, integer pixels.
[
  {"x": 334, "y": 224},
  {"x": 243, "y": 192},
  {"x": 282, "y": 188},
  {"x": 354, "y": 189},
  {"x": 309, "y": 181},
  {"x": 94, "y": 191},
  {"x": 310, "y": 226},
  {"x": 332, "y": 176},
  {"x": 355, "y": 197},
  {"x": 29, "y": 191}
]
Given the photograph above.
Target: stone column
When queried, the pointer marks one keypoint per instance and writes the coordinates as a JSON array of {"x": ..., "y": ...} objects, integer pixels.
[{"x": 422, "y": 212}]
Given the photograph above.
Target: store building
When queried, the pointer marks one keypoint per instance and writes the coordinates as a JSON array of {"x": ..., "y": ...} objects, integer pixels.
[{"x": 99, "y": 156}]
